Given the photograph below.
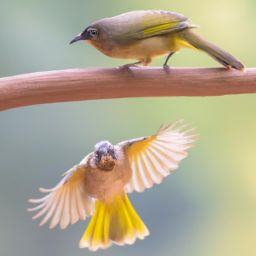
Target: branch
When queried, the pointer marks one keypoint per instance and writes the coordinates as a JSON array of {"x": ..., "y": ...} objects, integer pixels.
[{"x": 91, "y": 84}]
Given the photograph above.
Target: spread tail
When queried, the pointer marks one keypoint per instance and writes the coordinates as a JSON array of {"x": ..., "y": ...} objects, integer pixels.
[
  {"x": 116, "y": 222},
  {"x": 214, "y": 51}
]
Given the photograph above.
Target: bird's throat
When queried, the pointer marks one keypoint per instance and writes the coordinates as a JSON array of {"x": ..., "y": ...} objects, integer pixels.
[{"x": 106, "y": 165}]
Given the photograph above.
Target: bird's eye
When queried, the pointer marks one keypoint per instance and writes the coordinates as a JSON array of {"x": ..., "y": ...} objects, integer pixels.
[
  {"x": 112, "y": 153},
  {"x": 93, "y": 32}
]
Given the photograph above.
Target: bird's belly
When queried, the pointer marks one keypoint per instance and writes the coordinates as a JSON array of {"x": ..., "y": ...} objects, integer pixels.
[
  {"x": 143, "y": 49},
  {"x": 139, "y": 49},
  {"x": 104, "y": 185}
]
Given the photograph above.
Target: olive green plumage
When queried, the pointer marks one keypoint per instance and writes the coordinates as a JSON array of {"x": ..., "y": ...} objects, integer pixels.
[{"x": 142, "y": 35}]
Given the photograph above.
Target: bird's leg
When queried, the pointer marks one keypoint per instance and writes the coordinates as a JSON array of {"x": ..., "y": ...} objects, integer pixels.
[
  {"x": 146, "y": 61},
  {"x": 167, "y": 59},
  {"x": 131, "y": 64}
]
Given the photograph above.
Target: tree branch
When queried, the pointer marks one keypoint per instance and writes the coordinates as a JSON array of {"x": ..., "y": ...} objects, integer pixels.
[{"x": 91, "y": 84}]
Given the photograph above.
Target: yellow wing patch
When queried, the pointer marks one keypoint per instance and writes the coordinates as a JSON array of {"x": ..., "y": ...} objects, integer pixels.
[
  {"x": 160, "y": 28},
  {"x": 144, "y": 24},
  {"x": 138, "y": 147},
  {"x": 157, "y": 156}
]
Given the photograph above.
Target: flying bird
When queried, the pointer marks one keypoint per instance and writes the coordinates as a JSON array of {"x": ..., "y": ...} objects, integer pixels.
[
  {"x": 99, "y": 184},
  {"x": 143, "y": 35}
]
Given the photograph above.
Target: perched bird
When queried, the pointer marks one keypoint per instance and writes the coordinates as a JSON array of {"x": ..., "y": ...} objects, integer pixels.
[
  {"x": 142, "y": 35},
  {"x": 99, "y": 184}
]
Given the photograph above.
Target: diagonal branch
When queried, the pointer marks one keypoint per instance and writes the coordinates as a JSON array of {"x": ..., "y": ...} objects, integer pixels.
[{"x": 91, "y": 84}]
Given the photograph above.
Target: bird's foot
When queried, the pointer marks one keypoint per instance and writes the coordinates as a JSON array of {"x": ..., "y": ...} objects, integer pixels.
[
  {"x": 166, "y": 68},
  {"x": 127, "y": 66}
]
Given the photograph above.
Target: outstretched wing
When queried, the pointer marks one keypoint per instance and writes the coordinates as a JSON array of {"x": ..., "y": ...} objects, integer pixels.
[
  {"x": 67, "y": 202},
  {"x": 153, "y": 158}
]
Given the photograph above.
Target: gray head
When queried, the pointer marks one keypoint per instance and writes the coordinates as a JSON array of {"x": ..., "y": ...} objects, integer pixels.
[
  {"x": 103, "y": 34},
  {"x": 90, "y": 33},
  {"x": 105, "y": 155}
]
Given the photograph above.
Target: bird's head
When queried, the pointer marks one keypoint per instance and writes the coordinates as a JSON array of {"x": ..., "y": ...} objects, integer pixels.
[
  {"x": 105, "y": 155},
  {"x": 90, "y": 33}
]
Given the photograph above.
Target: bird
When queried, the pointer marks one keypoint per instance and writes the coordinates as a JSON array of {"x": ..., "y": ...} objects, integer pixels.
[
  {"x": 99, "y": 184},
  {"x": 145, "y": 34}
]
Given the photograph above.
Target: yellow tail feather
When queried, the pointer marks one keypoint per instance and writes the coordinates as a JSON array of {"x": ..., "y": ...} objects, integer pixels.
[{"x": 115, "y": 221}]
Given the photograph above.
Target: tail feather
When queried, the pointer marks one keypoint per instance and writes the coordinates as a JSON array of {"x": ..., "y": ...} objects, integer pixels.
[
  {"x": 214, "y": 51},
  {"x": 116, "y": 222}
]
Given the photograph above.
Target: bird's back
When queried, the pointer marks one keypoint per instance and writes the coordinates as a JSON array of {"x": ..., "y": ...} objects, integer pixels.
[{"x": 137, "y": 24}]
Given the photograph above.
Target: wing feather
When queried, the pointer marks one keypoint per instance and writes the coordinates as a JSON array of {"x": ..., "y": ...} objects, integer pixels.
[
  {"x": 142, "y": 178},
  {"x": 64, "y": 221},
  {"x": 154, "y": 23},
  {"x": 153, "y": 175},
  {"x": 144, "y": 173},
  {"x": 49, "y": 212},
  {"x": 138, "y": 183},
  {"x": 73, "y": 209},
  {"x": 141, "y": 24},
  {"x": 67, "y": 202},
  {"x": 155, "y": 157}
]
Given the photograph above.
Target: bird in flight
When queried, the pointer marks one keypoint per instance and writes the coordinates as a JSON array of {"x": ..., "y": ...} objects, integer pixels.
[{"x": 99, "y": 184}]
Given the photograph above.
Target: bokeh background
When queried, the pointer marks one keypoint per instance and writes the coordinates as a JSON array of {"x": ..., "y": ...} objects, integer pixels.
[{"x": 207, "y": 207}]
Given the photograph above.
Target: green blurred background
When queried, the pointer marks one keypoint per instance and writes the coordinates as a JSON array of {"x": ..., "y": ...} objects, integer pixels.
[{"x": 208, "y": 207}]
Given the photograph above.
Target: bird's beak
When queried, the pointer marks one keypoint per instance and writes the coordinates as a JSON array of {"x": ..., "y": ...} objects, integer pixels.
[{"x": 77, "y": 38}]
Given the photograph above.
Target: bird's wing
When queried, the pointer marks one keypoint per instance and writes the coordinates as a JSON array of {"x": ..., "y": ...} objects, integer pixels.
[
  {"x": 153, "y": 158},
  {"x": 154, "y": 23},
  {"x": 67, "y": 202}
]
